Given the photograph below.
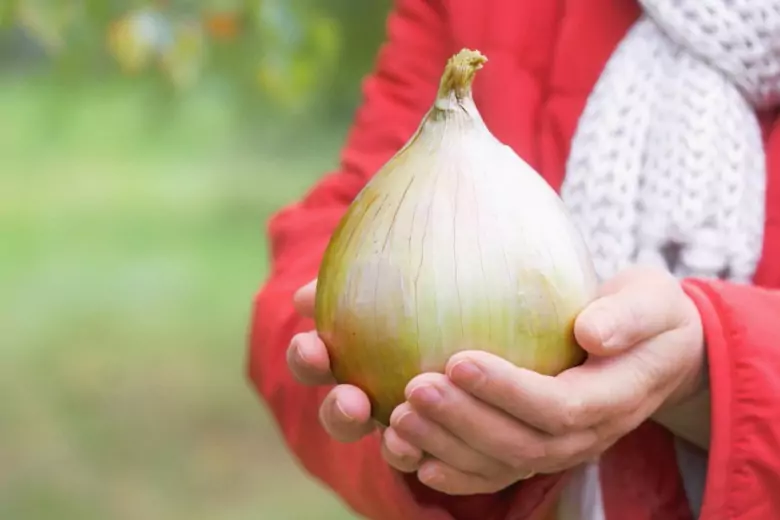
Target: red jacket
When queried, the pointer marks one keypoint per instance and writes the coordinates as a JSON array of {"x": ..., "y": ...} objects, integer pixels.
[{"x": 544, "y": 59}]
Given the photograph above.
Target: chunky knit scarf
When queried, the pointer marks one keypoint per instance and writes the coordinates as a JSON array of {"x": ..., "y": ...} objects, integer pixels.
[{"x": 667, "y": 164}]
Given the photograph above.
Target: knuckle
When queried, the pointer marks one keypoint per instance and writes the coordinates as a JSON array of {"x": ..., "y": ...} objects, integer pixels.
[
  {"x": 630, "y": 312},
  {"x": 524, "y": 456},
  {"x": 515, "y": 459},
  {"x": 610, "y": 432},
  {"x": 628, "y": 315},
  {"x": 492, "y": 469},
  {"x": 569, "y": 417}
]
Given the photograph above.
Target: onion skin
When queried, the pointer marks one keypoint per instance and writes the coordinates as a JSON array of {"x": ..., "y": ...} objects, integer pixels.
[{"x": 455, "y": 244}]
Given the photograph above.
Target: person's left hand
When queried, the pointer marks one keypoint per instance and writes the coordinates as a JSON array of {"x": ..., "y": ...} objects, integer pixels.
[{"x": 487, "y": 424}]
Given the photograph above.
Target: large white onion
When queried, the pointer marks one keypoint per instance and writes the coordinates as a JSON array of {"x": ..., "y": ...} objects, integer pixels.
[{"x": 455, "y": 244}]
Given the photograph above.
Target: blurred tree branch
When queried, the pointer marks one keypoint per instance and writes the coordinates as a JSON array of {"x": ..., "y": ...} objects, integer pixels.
[{"x": 287, "y": 55}]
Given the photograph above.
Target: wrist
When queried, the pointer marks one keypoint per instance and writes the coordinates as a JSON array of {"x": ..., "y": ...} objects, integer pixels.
[
  {"x": 695, "y": 384},
  {"x": 694, "y": 379},
  {"x": 688, "y": 414}
]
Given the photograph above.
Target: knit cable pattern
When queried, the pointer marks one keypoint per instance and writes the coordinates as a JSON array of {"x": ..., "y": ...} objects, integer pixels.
[{"x": 667, "y": 164}]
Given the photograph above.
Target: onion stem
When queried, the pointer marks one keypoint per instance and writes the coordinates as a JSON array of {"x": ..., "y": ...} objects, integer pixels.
[{"x": 459, "y": 74}]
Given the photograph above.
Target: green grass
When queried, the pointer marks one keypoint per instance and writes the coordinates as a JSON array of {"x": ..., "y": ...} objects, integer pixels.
[{"x": 131, "y": 248}]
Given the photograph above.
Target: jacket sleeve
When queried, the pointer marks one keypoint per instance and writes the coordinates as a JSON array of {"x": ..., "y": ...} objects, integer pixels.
[
  {"x": 396, "y": 97},
  {"x": 742, "y": 330}
]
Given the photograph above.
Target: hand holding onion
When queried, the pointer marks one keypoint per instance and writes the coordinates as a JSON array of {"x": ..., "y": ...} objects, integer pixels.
[
  {"x": 485, "y": 423},
  {"x": 346, "y": 412}
]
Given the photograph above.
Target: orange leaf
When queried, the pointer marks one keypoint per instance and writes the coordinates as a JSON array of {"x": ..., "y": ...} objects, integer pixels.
[{"x": 223, "y": 26}]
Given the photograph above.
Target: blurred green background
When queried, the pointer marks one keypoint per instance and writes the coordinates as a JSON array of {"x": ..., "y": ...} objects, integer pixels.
[{"x": 142, "y": 147}]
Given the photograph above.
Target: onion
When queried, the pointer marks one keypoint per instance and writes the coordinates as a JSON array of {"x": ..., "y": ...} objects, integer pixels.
[{"x": 455, "y": 244}]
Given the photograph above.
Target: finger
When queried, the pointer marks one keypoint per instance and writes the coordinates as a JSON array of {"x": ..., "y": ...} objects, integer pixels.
[
  {"x": 303, "y": 299},
  {"x": 399, "y": 453},
  {"x": 440, "y": 444},
  {"x": 346, "y": 414},
  {"x": 308, "y": 360},
  {"x": 446, "y": 479},
  {"x": 639, "y": 305},
  {"x": 504, "y": 438},
  {"x": 590, "y": 396},
  {"x": 484, "y": 428}
]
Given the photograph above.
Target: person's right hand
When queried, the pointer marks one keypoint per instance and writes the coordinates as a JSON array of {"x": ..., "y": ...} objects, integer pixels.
[{"x": 346, "y": 411}]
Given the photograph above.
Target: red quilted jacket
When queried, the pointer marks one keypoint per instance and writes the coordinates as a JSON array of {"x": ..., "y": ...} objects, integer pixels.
[{"x": 545, "y": 57}]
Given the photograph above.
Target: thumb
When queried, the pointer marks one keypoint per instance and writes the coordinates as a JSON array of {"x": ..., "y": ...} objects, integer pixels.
[
  {"x": 303, "y": 299},
  {"x": 629, "y": 313}
]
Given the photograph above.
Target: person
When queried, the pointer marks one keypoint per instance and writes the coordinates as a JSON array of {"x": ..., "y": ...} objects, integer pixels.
[{"x": 658, "y": 124}]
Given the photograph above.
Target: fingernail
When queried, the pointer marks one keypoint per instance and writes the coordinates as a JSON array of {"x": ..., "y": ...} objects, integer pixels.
[
  {"x": 398, "y": 447},
  {"x": 598, "y": 322},
  {"x": 411, "y": 424},
  {"x": 428, "y": 474},
  {"x": 343, "y": 412},
  {"x": 426, "y": 394},
  {"x": 466, "y": 372},
  {"x": 302, "y": 356},
  {"x": 605, "y": 330}
]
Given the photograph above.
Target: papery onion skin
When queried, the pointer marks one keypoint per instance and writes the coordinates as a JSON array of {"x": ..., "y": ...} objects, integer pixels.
[{"x": 455, "y": 244}]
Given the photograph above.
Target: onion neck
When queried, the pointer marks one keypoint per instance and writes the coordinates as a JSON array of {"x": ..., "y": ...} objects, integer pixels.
[{"x": 455, "y": 85}]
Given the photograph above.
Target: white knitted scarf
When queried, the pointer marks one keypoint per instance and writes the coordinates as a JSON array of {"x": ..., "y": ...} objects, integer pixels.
[{"x": 667, "y": 164}]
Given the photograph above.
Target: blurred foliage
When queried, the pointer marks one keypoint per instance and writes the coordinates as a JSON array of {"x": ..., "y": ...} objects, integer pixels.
[
  {"x": 127, "y": 271},
  {"x": 290, "y": 57},
  {"x": 145, "y": 145}
]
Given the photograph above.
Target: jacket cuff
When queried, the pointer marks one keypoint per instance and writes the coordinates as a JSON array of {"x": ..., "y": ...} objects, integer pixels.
[
  {"x": 721, "y": 383},
  {"x": 742, "y": 332}
]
